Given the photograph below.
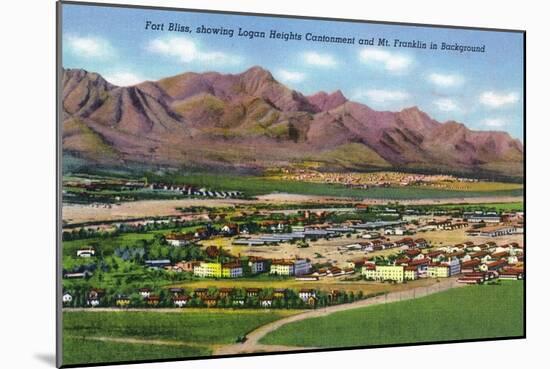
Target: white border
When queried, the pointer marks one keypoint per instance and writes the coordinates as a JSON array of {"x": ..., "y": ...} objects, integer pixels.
[{"x": 28, "y": 182}]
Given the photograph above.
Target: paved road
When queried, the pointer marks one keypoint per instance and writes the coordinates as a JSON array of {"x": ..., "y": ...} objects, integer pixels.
[{"x": 252, "y": 343}]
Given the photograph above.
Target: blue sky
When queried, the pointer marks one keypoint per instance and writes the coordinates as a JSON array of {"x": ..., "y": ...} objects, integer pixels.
[{"x": 482, "y": 90}]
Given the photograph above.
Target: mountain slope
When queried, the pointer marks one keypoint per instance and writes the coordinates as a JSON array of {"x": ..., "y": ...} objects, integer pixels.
[{"x": 250, "y": 121}]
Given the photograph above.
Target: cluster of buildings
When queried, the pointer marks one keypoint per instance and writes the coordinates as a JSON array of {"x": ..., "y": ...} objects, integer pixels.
[
  {"x": 481, "y": 217},
  {"x": 375, "y": 179},
  {"x": 300, "y": 268},
  {"x": 443, "y": 225},
  {"x": 286, "y": 267},
  {"x": 378, "y": 245},
  {"x": 305, "y": 234},
  {"x": 236, "y": 268},
  {"x": 322, "y": 231},
  {"x": 193, "y": 191},
  {"x": 396, "y": 273},
  {"x": 496, "y": 230},
  {"x": 491, "y": 224},
  {"x": 332, "y": 271},
  {"x": 465, "y": 258},
  {"x": 218, "y": 270},
  {"x": 178, "y": 297},
  {"x": 95, "y": 184}
]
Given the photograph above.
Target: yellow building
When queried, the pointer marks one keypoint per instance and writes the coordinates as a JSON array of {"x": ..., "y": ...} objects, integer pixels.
[
  {"x": 369, "y": 271},
  {"x": 218, "y": 270},
  {"x": 396, "y": 273},
  {"x": 295, "y": 267},
  {"x": 208, "y": 270},
  {"x": 122, "y": 301},
  {"x": 391, "y": 272},
  {"x": 438, "y": 271},
  {"x": 411, "y": 273},
  {"x": 282, "y": 268}
]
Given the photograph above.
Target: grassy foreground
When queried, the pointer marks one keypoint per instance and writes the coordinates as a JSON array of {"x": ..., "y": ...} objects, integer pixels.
[
  {"x": 193, "y": 331},
  {"x": 89, "y": 351},
  {"x": 472, "y": 312}
]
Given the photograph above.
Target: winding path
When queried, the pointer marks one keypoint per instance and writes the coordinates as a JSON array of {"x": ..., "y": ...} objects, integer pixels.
[{"x": 252, "y": 344}]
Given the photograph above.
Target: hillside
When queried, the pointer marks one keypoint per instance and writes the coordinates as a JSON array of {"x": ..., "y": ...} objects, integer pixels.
[{"x": 250, "y": 122}]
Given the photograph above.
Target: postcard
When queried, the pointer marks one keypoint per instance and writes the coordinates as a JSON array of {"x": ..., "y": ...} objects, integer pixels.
[{"x": 236, "y": 184}]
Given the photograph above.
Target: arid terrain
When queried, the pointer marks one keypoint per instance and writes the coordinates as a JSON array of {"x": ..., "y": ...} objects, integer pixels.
[{"x": 77, "y": 213}]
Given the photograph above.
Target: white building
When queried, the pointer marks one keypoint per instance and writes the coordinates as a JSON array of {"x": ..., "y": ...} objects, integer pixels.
[
  {"x": 454, "y": 266},
  {"x": 232, "y": 270},
  {"x": 396, "y": 273},
  {"x": 399, "y": 231},
  {"x": 93, "y": 302},
  {"x": 145, "y": 292},
  {"x": 266, "y": 302},
  {"x": 85, "y": 253},
  {"x": 301, "y": 267},
  {"x": 290, "y": 267},
  {"x": 305, "y": 294},
  {"x": 180, "y": 301},
  {"x": 178, "y": 240},
  {"x": 371, "y": 235},
  {"x": 257, "y": 265},
  {"x": 67, "y": 298}
]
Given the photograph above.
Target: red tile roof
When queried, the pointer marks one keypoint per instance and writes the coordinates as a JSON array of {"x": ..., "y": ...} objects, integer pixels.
[{"x": 470, "y": 263}]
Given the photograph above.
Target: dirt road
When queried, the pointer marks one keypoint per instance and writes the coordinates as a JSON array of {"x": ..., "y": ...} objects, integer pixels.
[{"x": 252, "y": 343}]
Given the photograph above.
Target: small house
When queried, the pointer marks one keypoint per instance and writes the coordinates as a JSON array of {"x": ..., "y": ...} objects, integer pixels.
[
  {"x": 180, "y": 301},
  {"x": 122, "y": 301}
]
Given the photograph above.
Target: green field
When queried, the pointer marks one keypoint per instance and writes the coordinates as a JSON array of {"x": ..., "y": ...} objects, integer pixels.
[
  {"x": 193, "y": 331},
  {"x": 108, "y": 243},
  {"x": 510, "y": 206},
  {"x": 257, "y": 185},
  {"x": 472, "y": 312},
  {"x": 252, "y": 185},
  {"x": 89, "y": 351}
]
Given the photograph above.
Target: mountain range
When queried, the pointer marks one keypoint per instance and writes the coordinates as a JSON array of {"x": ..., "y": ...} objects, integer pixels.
[{"x": 252, "y": 122}]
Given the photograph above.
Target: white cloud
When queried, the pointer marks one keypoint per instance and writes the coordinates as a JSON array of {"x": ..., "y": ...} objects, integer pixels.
[
  {"x": 290, "y": 76},
  {"x": 187, "y": 51},
  {"x": 122, "y": 78},
  {"x": 89, "y": 46},
  {"x": 380, "y": 96},
  {"x": 494, "y": 122},
  {"x": 445, "y": 80},
  {"x": 320, "y": 60},
  {"x": 391, "y": 62},
  {"x": 445, "y": 104},
  {"x": 495, "y": 100}
]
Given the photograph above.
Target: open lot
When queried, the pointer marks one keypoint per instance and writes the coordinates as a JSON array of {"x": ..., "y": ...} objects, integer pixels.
[
  {"x": 79, "y": 213},
  {"x": 325, "y": 284}
]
